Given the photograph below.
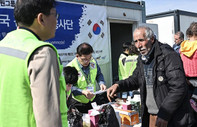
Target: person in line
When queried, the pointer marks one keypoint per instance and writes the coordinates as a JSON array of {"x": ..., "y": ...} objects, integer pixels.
[
  {"x": 127, "y": 64},
  {"x": 163, "y": 88},
  {"x": 188, "y": 53},
  {"x": 32, "y": 87},
  {"x": 89, "y": 75},
  {"x": 178, "y": 39}
]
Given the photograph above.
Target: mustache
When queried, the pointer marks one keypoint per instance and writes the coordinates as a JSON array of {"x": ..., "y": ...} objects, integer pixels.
[{"x": 141, "y": 49}]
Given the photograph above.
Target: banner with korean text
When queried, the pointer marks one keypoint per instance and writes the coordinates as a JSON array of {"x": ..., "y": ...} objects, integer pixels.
[
  {"x": 76, "y": 24},
  {"x": 7, "y": 21}
]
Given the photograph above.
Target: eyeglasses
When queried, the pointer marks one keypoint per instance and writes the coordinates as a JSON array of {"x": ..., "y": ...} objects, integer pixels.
[
  {"x": 56, "y": 15},
  {"x": 86, "y": 59}
]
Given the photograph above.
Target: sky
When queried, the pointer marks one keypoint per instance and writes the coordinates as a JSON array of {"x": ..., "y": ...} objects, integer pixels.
[{"x": 158, "y": 6}]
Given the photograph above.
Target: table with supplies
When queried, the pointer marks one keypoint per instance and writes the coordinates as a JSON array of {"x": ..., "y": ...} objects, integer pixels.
[{"x": 127, "y": 113}]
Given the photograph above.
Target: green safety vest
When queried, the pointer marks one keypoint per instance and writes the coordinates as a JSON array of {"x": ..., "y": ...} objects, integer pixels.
[
  {"x": 16, "y": 108},
  {"x": 82, "y": 82},
  {"x": 125, "y": 70}
]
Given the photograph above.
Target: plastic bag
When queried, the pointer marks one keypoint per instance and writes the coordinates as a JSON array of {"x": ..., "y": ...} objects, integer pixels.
[
  {"x": 108, "y": 117},
  {"x": 75, "y": 118}
]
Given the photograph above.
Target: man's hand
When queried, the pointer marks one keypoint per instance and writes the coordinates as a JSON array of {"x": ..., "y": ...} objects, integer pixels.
[
  {"x": 111, "y": 91},
  {"x": 103, "y": 87},
  {"x": 88, "y": 94},
  {"x": 161, "y": 122}
]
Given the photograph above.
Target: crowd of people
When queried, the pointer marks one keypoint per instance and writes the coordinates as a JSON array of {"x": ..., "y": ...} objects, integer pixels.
[{"x": 36, "y": 90}]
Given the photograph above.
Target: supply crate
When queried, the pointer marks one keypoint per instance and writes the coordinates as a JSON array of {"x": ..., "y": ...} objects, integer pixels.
[{"x": 128, "y": 117}]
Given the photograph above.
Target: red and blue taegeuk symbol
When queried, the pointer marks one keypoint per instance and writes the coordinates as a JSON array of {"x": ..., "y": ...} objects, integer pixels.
[{"x": 96, "y": 29}]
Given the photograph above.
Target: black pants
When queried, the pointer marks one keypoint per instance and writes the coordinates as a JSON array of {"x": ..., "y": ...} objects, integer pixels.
[{"x": 82, "y": 107}]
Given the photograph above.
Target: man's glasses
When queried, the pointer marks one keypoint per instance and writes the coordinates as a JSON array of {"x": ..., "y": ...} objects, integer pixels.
[
  {"x": 86, "y": 59},
  {"x": 56, "y": 15}
]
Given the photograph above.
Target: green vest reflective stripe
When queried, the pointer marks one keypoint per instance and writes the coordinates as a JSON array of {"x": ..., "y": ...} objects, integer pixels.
[
  {"x": 82, "y": 79},
  {"x": 126, "y": 69},
  {"x": 15, "y": 97}
]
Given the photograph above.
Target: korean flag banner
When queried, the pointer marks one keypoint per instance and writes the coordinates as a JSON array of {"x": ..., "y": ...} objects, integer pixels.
[
  {"x": 76, "y": 24},
  {"x": 80, "y": 23}
]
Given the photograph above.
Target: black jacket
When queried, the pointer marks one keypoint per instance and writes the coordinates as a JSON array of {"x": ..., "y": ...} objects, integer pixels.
[{"x": 170, "y": 88}]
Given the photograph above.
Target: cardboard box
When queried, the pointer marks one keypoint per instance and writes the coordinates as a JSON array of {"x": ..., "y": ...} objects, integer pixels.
[{"x": 128, "y": 117}]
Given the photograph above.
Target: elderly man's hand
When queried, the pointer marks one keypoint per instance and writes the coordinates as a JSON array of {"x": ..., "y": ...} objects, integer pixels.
[
  {"x": 111, "y": 91},
  {"x": 103, "y": 87},
  {"x": 88, "y": 94}
]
